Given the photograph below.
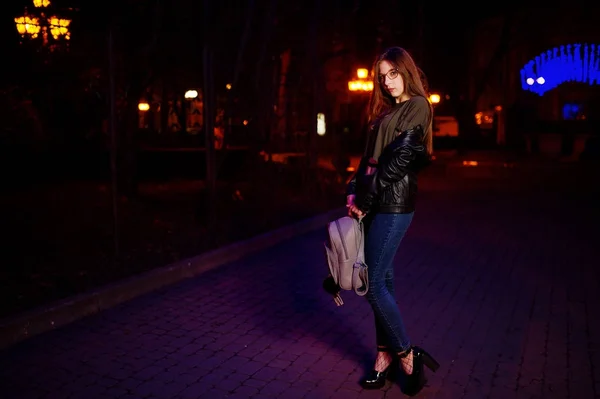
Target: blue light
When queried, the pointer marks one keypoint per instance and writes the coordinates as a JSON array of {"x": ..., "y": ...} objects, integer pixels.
[
  {"x": 570, "y": 63},
  {"x": 571, "y": 111}
]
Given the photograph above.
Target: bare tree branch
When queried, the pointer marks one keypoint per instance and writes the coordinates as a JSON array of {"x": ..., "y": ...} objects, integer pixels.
[{"x": 243, "y": 43}]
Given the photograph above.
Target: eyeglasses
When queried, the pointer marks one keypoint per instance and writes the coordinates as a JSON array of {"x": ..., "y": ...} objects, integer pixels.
[{"x": 392, "y": 74}]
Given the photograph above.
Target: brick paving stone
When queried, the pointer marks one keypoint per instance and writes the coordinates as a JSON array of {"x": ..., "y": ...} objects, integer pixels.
[{"x": 496, "y": 278}]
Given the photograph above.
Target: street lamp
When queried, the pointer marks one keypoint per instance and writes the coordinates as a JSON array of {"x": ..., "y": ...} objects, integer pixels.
[
  {"x": 362, "y": 73},
  {"x": 191, "y": 94},
  {"x": 361, "y": 84},
  {"x": 28, "y": 26},
  {"x": 321, "y": 125},
  {"x": 38, "y": 24}
]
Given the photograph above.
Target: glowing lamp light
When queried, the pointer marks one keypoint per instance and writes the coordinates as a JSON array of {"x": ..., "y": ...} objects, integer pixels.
[
  {"x": 21, "y": 28},
  {"x": 191, "y": 94},
  {"x": 43, "y": 26},
  {"x": 434, "y": 98},
  {"x": 228, "y": 86},
  {"x": 321, "y": 126},
  {"x": 144, "y": 107},
  {"x": 362, "y": 73},
  {"x": 566, "y": 63},
  {"x": 59, "y": 27},
  {"x": 41, "y": 3},
  {"x": 360, "y": 85},
  {"x": 28, "y": 25}
]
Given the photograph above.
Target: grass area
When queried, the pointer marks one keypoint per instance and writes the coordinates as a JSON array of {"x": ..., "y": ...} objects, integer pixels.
[{"x": 60, "y": 242}]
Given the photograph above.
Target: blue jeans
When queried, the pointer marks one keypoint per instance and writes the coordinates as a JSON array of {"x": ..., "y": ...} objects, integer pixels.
[{"x": 384, "y": 232}]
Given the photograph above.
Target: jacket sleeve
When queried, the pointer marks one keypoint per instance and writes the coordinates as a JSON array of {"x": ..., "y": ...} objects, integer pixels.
[
  {"x": 396, "y": 161},
  {"x": 400, "y": 158}
]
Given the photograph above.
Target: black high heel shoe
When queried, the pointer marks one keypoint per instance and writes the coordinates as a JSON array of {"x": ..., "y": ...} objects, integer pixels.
[
  {"x": 377, "y": 379},
  {"x": 414, "y": 382}
]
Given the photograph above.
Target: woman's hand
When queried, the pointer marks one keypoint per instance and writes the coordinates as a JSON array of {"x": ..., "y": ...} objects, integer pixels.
[{"x": 353, "y": 210}]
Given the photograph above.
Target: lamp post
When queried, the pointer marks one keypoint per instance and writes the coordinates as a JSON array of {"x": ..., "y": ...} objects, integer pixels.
[
  {"x": 43, "y": 24},
  {"x": 359, "y": 89}
]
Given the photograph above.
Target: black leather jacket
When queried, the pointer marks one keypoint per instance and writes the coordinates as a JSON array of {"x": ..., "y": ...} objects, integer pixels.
[{"x": 393, "y": 186}]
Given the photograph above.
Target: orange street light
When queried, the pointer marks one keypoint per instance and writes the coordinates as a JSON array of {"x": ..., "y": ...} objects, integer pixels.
[
  {"x": 59, "y": 27},
  {"x": 41, "y": 24},
  {"x": 361, "y": 84},
  {"x": 27, "y": 25},
  {"x": 362, "y": 73}
]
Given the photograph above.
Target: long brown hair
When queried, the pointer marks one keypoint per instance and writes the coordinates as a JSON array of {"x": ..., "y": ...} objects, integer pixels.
[{"x": 414, "y": 85}]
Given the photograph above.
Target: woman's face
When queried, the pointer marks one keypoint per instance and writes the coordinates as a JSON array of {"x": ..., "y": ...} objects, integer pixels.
[{"x": 391, "y": 81}]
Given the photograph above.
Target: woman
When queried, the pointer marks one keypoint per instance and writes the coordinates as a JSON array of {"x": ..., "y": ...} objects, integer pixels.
[{"x": 399, "y": 145}]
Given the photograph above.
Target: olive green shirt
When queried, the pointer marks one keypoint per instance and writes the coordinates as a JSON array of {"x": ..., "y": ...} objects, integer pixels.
[{"x": 402, "y": 116}]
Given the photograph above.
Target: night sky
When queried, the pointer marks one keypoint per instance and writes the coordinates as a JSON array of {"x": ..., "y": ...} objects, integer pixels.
[{"x": 438, "y": 34}]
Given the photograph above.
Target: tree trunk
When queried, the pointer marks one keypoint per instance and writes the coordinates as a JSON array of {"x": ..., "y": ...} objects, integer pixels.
[
  {"x": 264, "y": 106},
  {"x": 495, "y": 61},
  {"x": 113, "y": 143},
  {"x": 209, "y": 121},
  {"x": 314, "y": 76},
  {"x": 128, "y": 125},
  {"x": 468, "y": 131},
  {"x": 164, "y": 108},
  {"x": 228, "y": 114}
]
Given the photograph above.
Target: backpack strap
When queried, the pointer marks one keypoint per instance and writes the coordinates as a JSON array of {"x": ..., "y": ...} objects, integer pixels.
[{"x": 360, "y": 276}]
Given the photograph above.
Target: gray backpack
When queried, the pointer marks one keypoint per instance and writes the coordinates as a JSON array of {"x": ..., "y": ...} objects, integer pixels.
[{"x": 345, "y": 255}]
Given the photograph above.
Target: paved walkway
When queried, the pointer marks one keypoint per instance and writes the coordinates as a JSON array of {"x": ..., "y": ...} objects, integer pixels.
[{"x": 496, "y": 278}]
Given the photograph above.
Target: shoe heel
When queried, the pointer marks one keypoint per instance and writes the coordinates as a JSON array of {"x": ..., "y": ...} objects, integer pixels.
[{"x": 430, "y": 362}]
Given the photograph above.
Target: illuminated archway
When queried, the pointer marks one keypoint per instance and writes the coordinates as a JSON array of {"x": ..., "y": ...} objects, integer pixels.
[{"x": 567, "y": 63}]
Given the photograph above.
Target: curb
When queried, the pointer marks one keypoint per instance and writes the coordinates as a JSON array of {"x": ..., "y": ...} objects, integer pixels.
[{"x": 52, "y": 316}]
